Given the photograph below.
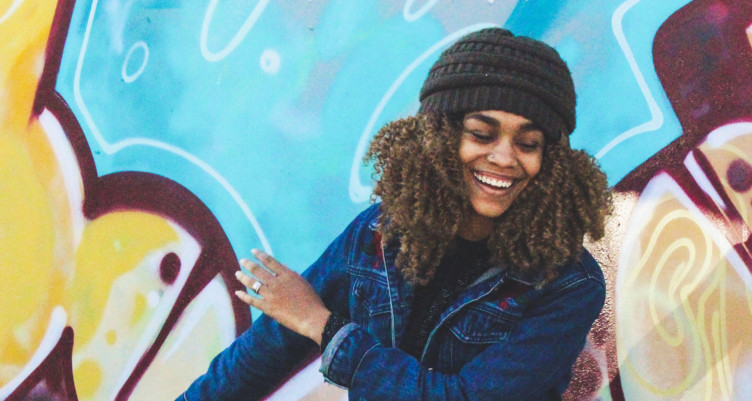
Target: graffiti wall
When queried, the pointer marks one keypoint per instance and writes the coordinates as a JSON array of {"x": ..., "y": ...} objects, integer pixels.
[{"x": 147, "y": 145}]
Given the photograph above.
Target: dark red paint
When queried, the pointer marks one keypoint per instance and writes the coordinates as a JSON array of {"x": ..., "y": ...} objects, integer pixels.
[
  {"x": 127, "y": 191},
  {"x": 739, "y": 175},
  {"x": 169, "y": 269}
]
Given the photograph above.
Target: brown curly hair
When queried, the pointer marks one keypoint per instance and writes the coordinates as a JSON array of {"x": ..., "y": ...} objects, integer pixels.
[{"x": 418, "y": 177}]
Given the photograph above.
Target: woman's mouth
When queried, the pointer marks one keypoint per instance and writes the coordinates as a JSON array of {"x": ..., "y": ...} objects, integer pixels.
[{"x": 493, "y": 182}]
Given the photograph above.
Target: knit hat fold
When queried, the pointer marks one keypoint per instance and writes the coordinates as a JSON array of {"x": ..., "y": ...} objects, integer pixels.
[{"x": 492, "y": 69}]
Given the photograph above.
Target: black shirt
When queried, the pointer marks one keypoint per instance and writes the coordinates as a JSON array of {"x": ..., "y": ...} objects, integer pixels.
[{"x": 464, "y": 262}]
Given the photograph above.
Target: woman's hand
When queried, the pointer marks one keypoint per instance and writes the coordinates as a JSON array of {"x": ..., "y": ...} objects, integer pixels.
[{"x": 284, "y": 296}]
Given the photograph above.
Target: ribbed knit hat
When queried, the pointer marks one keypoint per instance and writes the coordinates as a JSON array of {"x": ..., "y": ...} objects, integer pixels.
[{"x": 492, "y": 69}]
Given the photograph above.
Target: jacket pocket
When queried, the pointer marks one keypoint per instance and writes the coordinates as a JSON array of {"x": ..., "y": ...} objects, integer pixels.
[
  {"x": 485, "y": 323},
  {"x": 474, "y": 329},
  {"x": 369, "y": 303}
]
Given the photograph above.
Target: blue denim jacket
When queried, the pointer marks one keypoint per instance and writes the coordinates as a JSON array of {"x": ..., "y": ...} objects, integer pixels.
[{"x": 502, "y": 339}]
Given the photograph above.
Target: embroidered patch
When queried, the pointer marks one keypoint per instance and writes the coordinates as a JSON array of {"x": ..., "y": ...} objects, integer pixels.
[
  {"x": 512, "y": 292},
  {"x": 374, "y": 249}
]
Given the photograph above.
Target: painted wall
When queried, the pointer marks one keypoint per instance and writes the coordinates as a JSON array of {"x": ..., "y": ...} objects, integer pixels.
[{"x": 146, "y": 145}]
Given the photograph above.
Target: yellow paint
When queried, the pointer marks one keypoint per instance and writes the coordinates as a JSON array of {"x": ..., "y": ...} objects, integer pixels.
[
  {"x": 683, "y": 320},
  {"x": 88, "y": 376},
  {"x": 35, "y": 241},
  {"x": 27, "y": 230},
  {"x": 665, "y": 260},
  {"x": 139, "y": 308},
  {"x": 24, "y": 36},
  {"x": 194, "y": 341},
  {"x": 111, "y": 337},
  {"x": 111, "y": 246},
  {"x": 100, "y": 279},
  {"x": 26, "y": 242},
  {"x": 720, "y": 158}
]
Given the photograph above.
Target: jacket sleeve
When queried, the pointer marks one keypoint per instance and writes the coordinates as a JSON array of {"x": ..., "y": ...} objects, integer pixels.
[
  {"x": 257, "y": 361},
  {"x": 527, "y": 366}
]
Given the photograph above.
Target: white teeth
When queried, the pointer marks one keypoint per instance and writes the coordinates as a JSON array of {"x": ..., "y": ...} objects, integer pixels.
[{"x": 492, "y": 181}]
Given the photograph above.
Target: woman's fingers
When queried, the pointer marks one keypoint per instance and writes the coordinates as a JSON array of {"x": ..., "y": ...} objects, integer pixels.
[
  {"x": 249, "y": 299},
  {"x": 259, "y": 272},
  {"x": 285, "y": 296},
  {"x": 249, "y": 282},
  {"x": 266, "y": 276},
  {"x": 244, "y": 296},
  {"x": 269, "y": 262}
]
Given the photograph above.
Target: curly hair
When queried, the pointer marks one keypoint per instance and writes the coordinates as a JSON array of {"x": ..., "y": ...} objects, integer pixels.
[{"x": 424, "y": 198}]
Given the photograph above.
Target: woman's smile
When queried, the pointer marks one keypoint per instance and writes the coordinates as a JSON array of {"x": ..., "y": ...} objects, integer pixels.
[{"x": 496, "y": 183}]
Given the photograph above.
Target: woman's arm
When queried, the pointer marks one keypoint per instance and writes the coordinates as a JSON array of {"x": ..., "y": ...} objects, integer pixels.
[
  {"x": 257, "y": 361},
  {"x": 526, "y": 366}
]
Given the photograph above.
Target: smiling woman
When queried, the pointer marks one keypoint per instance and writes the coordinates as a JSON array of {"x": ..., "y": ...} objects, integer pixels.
[
  {"x": 500, "y": 153},
  {"x": 469, "y": 281}
]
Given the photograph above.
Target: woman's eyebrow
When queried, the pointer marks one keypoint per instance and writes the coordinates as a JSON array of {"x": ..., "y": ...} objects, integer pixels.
[
  {"x": 530, "y": 126},
  {"x": 483, "y": 118},
  {"x": 526, "y": 127}
]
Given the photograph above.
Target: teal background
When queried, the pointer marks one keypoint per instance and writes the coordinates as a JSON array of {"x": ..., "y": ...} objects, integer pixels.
[{"x": 268, "y": 123}]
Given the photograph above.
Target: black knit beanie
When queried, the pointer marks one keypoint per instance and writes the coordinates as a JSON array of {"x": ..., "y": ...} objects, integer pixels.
[{"x": 492, "y": 69}]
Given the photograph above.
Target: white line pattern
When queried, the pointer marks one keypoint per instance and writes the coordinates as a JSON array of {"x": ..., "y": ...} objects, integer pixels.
[
  {"x": 112, "y": 148},
  {"x": 656, "y": 120},
  {"x": 239, "y": 36},
  {"x": 132, "y": 77},
  {"x": 413, "y": 16},
  {"x": 12, "y": 9}
]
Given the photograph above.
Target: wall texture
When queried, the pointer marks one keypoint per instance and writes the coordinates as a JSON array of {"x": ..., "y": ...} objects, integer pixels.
[{"x": 146, "y": 145}]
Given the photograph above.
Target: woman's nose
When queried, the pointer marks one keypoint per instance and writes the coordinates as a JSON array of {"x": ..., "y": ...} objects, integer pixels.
[{"x": 502, "y": 154}]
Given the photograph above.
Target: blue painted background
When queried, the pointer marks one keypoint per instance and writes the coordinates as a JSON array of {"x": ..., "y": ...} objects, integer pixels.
[{"x": 263, "y": 109}]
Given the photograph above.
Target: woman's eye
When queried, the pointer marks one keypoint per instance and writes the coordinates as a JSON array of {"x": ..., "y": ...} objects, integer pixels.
[
  {"x": 528, "y": 146},
  {"x": 480, "y": 135}
]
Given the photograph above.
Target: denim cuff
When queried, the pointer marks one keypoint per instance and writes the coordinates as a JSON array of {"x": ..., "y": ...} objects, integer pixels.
[
  {"x": 333, "y": 324},
  {"x": 343, "y": 355}
]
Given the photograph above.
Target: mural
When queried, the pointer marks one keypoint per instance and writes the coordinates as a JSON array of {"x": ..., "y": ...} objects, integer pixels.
[
  {"x": 145, "y": 146},
  {"x": 109, "y": 281},
  {"x": 683, "y": 291}
]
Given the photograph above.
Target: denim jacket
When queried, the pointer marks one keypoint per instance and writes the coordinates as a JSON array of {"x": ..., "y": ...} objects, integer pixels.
[{"x": 502, "y": 339}]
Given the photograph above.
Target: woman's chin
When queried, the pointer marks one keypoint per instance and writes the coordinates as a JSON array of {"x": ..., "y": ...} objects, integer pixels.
[
  {"x": 479, "y": 223},
  {"x": 489, "y": 211}
]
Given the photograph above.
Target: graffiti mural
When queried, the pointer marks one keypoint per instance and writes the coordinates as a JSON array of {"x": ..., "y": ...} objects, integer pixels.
[
  {"x": 683, "y": 293},
  {"x": 145, "y": 146},
  {"x": 110, "y": 281}
]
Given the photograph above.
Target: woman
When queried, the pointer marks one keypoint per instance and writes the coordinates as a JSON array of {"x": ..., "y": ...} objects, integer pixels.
[{"x": 469, "y": 281}]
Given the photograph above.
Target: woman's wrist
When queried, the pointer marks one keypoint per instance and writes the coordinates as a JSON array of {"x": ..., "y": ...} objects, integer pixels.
[
  {"x": 316, "y": 324},
  {"x": 333, "y": 324}
]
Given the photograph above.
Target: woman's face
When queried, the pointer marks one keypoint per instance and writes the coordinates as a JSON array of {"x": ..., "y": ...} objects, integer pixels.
[{"x": 500, "y": 153}]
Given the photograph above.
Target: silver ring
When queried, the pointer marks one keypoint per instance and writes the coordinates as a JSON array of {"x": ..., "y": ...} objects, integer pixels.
[{"x": 255, "y": 287}]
